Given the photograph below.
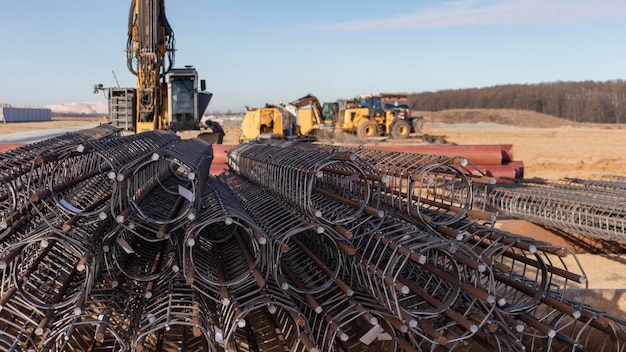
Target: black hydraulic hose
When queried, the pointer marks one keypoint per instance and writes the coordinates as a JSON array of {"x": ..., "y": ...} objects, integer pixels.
[{"x": 129, "y": 43}]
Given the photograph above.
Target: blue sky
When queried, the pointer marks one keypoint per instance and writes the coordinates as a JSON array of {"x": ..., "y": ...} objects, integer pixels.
[{"x": 257, "y": 52}]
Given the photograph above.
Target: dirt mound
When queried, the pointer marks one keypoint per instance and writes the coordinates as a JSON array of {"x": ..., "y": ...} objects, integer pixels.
[{"x": 521, "y": 118}]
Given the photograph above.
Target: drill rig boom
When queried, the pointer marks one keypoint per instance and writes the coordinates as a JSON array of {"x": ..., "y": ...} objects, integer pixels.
[
  {"x": 166, "y": 98},
  {"x": 150, "y": 56}
]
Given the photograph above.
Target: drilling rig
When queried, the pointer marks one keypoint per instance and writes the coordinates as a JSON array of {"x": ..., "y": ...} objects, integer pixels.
[{"x": 165, "y": 98}]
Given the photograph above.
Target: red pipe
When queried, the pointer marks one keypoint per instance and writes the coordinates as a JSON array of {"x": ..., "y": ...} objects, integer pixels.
[
  {"x": 483, "y": 154},
  {"x": 220, "y": 153},
  {"x": 502, "y": 173},
  {"x": 8, "y": 146},
  {"x": 217, "y": 169}
]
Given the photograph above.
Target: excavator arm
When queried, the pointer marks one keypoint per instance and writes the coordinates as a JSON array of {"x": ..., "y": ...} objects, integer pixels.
[{"x": 312, "y": 100}]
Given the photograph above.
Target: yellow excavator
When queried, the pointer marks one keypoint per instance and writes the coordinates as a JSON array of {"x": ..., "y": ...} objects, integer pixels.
[
  {"x": 165, "y": 98},
  {"x": 316, "y": 117}
]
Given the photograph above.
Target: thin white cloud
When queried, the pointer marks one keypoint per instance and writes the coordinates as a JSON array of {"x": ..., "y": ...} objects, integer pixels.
[{"x": 462, "y": 13}]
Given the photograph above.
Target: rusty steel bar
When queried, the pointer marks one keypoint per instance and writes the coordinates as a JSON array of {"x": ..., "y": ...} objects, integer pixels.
[
  {"x": 50, "y": 274},
  {"x": 265, "y": 317},
  {"x": 8, "y": 201},
  {"x": 47, "y": 274},
  {"x": 447, "y": 212},
  {"x": 18, "y": 165},
  {"x": 534, "y": 282},
  {"x": 304, "y": 256},
  {"x": 205, "y": 269},
  {"x": 51, "y": 269},
  {"x": 222, "y": 230},
  {"x": 596, "y": 330},
  {"x": 80, "y": 179},
  {"x": 355, "y": 323},
  {"x": 498, "y": 340},
  {"x": 22, "y": 160},
  {"x": 426, "y": 278},
  {"x": 525, "y": 269},
  {"x": 140, "y": 258},
  {"x": 76, "y": 181},
  {"x": 24, "y": 157},
  {"x": 18, "y": 322},
  {"x": 249, "y": 308},
  {"x": 25, "y": 219}
]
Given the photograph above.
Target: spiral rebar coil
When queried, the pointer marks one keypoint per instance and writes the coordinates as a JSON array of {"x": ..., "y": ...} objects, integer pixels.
[
  {"x": 528, "y": 284},
  {"x": 330, "y": 185},
  {"x": 286, "y": 229},
  {"x": 304, "y": 257}
]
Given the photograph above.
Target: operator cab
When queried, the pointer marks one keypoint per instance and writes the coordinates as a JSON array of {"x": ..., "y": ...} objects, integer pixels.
[
  {"x": 185, "y": 103},
  {"x": 330, "y": 111},
  {"x": 373, "y": 103}
]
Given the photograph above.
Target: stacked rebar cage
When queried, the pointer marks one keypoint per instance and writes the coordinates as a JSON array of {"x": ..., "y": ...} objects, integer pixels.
[
  {"x": 594, "y": 208},
  {"x": 125, "y": 243}
]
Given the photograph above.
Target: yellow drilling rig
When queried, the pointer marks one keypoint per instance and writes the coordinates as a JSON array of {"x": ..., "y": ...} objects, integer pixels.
[{"x": 165, "y": 98}]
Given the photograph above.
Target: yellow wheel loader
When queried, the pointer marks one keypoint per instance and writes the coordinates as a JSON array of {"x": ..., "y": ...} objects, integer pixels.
[{"x": 366, "y": 117}]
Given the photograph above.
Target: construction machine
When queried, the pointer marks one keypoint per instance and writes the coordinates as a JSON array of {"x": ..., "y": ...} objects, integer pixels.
[
  {"x": 165, "y": 98},
  {"x": 270, "y": 121},
  {"x": 316, "y": 117},
  {"x": 400, "y": 105},
  {"x": 287, "y": 120},
  {"x": 367, "y": 117}
]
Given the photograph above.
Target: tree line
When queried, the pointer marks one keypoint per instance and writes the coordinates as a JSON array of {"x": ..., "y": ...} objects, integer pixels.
[{"x": 587, "y": 101}]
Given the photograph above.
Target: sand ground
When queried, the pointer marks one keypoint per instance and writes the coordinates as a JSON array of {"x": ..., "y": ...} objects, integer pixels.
[{"x": 554, "y": 153}]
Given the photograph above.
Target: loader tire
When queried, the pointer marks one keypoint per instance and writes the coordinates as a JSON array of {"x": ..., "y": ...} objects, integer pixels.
[
  {"x": 367, "y": 129},
  {"x": 400, "y": 129}
]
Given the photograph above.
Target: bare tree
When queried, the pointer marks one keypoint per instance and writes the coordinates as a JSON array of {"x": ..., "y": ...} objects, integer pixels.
[{"x": 586, "y": 101}]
